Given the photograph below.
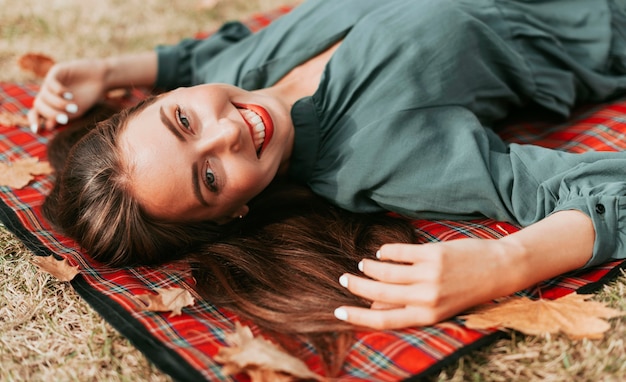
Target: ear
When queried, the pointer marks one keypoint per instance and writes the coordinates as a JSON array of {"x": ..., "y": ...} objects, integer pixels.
[{"x": 240, "y": 213}]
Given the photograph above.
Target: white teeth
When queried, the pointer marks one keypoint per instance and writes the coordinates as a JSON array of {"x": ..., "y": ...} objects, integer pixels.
[{"x": 258, "y": 128}]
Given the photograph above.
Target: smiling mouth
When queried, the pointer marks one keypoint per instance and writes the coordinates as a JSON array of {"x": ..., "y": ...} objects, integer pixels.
[{"x": 260, "y": 125}]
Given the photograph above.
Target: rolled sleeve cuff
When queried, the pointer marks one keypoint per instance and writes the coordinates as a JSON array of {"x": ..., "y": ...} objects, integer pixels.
[
  {"x": 178, "y": 64},
  {"x": 174, "y": 65},
  {"x": 609, "y": 222}
]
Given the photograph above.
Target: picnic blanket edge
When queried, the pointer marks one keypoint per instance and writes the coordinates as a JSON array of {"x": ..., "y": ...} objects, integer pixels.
[{"x": 164, "y": 358}]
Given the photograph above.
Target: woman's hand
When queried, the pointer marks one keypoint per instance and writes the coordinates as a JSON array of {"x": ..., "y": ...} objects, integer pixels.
[
  {"x": 426, "y": 283},
  {"x": 68, "y": 91}
]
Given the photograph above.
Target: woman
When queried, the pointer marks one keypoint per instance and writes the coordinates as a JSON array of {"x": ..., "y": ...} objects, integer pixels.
[{"x": 375, "y": 107}]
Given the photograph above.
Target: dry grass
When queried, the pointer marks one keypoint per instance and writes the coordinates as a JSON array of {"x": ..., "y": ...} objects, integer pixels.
[{"x": 48, "y": 333}]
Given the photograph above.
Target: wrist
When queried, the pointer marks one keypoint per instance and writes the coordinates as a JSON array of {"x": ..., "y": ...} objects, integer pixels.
[
  {"x": 516, "y": 264},
  {"x": 110, "y": 70}
]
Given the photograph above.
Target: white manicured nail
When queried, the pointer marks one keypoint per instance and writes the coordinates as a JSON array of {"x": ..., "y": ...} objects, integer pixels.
[
  {"x": 71, "y": 108},
  {"x": 62, "y": 119},
  {"x": 360, "y": 265},
  {"x": 343, "y": 280},
  {"x": 378, "y": 254},
  {"x": 68, "y": 96},
  {"x": 341, "y": 314},
  {"x": 34, "y": 127}
]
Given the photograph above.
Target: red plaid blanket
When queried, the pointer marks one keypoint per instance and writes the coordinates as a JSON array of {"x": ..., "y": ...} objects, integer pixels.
[{"x": 184, "y": 346}]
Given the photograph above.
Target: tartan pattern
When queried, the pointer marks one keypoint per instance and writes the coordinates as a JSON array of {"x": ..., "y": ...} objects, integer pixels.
[{"x": 184, "y": 345}]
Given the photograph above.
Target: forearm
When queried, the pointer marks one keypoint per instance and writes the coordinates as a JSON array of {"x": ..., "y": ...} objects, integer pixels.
[
  {"x": 131, "y": 70},
  {"x": 557, "y": 244}
]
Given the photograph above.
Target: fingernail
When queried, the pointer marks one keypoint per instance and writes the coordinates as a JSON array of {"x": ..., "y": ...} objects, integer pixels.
[
  {"x": 343, "y": 280},
  {"x": 71, "y": 108},
  {"x": 62, "y": 119},
  {"x": 341, "y": 314},
  {"x": 378, "y": 254},
  {"x": 68, "y": 96},
  {"x": 34, "y": 127},
  {"x": 360, "y": 265}
]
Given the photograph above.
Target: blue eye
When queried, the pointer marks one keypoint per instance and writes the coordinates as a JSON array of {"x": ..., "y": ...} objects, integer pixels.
[{"x": 182, "y": 119}]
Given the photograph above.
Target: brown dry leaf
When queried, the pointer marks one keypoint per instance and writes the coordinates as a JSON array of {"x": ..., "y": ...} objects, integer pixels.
[
  {"x": 13, "y": 119},
  {"x": 61, "y": 269},
  {"x": 17, "y": 174},
  {"x": 572, "y": 314},
  {"x": 36, "y": 63},
  {"x": 260, "y": 359},
  {"x": 167, "y": 300}
]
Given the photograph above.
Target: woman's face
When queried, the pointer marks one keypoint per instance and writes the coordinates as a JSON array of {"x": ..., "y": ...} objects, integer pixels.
[{"x": 201, "y": 153}]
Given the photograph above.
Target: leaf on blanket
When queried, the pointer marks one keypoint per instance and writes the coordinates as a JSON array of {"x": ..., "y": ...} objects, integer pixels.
[
  {"x": 19, "y": 173},
  {"x": 167, "y": 300},
  {"x": 13, "y": 119},
  {"x": 260, "y": 359},
  {"x": 60, "y": 269},
  {"x": 572, "y": 314},
  {"x": 35, "y": 63}
]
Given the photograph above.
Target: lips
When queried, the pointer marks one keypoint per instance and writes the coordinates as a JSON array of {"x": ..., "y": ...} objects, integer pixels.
[{"x": 259, "y": 123}]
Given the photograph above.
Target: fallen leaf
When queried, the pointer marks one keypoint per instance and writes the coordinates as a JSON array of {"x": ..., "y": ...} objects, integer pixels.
[
  {"x": 572, "y": 314},
  {"x": 260, "y": 359},
  {"x": 35, "y": 63},
  {"x": 60, "y": 269},
  {"x": 17, "y": 174},
  {"x": 13, "y": 119},
  {"x": 167, "y": 300}
]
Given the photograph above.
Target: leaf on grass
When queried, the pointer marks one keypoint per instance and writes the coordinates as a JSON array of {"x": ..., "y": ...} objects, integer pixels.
[
  {"x": 167, "y": 300},
  {"x": 572, "y": 314},
  {"x": 35, "y": 63},
  {"x": 17, "y": 174},
  {"x": 260, "y": 359},
  {"x": 60, "y": 269},
  {"x": 13, "y": 119}
]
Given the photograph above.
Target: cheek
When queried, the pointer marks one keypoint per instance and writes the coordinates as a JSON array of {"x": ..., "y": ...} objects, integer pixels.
[{"x": 249, "y": 183}]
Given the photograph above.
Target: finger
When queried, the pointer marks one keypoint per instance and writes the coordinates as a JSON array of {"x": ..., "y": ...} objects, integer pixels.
[
  {"x": 57, "y": 102},
  {"x": 384, "y": 319},
  {"x": 51, "y": 116},
  {"x": 389, "y": 272},
  {"x": 52, "y": 85},
  {"x": 384, "y": 306},
  {"x": 377, "y": 291},
  {"x": 403, "y": 253},
  {"x": 33, "y": 120}
]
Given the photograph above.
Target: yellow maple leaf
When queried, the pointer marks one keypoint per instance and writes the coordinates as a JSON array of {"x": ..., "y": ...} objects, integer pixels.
[
  {"x": 167, "y": 300},
  {"x": 260, "y": 359},
  {"x": 572, "y": 314},
  {"x": 19, "y": 173},
  {"x": 60, "y": 269}
]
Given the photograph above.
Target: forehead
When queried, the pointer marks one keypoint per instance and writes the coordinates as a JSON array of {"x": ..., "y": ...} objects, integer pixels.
[{"x": 159, "y": 172}]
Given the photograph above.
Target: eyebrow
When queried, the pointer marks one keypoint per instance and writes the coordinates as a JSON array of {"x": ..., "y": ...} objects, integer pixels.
[
  {"x": 170, "y": 126},
  {"x": 196, "y": 185}
]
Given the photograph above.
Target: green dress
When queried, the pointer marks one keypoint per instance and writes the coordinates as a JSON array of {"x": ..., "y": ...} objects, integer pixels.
[{"x": 400, "y": 121}]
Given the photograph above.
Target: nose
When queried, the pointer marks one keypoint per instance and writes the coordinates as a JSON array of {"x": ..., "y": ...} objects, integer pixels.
[{"x": 222, "y": 135}]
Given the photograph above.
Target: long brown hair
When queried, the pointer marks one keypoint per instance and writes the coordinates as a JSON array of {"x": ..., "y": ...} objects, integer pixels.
[{"x": 277, "y": 267}]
